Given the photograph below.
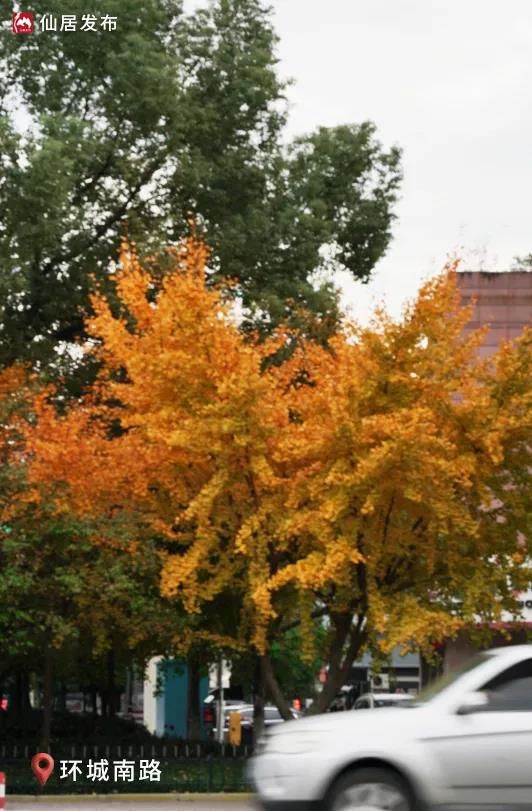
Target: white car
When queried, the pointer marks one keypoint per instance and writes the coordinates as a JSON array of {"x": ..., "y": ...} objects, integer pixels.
[
  {"x": 465, "y": 743},
  {"x": 374, "y": 701}
]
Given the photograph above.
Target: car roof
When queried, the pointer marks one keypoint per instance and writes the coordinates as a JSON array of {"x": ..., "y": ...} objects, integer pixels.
[{"x": 512, "y": 650}]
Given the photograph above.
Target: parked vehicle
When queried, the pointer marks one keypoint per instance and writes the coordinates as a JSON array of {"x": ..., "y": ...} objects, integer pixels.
[
  {"x": 465, "y": 743},
  {"x": 272, "y": 717},
  {"x": 343, "y": 700},
  {"x": 232, "y": 699},
  {"x": 245, "y": 711},
  {"x": 373, "y": 701}
]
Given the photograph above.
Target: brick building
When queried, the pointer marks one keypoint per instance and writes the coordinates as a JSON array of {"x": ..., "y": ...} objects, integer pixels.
[{"x": 504, "y": 302}]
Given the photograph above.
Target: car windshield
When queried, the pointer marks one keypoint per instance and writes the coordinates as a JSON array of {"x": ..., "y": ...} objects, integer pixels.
[{"x": 433, "y": 690}]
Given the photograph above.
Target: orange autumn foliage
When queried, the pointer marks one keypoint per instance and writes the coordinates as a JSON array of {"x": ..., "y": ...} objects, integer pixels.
[{"x": 360, "y": 479}]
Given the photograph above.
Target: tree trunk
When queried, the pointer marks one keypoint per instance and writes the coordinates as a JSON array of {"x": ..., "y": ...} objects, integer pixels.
[
  {"x": 258, "y": 700},
  {"x": 2, "y": 713},
  {"x": 94, "y": 701},
  {"x": 111, "y": 697},
  {"x": 129, "y": 690},
  {"x": 48, "y": 695},
  {"x": 193, "y": 700},
  {"x": 62, "y": 707},
  {"x": 274, "y": 690},
  {"x": 19, "y": 700},
  {"x": 346, "y": 644}
]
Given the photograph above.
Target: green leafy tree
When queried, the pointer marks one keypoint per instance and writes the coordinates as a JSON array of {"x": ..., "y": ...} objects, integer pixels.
[
  {"x": 522, "y": 262},
  {"x": 170, "y": 119},
  {"x": 295, "y": 672},
  {"x": 62, "y": 597},
  {"x": 68, "y": 604}
]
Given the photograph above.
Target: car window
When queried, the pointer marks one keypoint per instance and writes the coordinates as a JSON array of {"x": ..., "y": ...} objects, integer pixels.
[
  {"x": 271, "y": 713},
  {"x": 511, "y": 691},
  {"x": 362, "y": 704},
  {"x": 388, "y": 702}
]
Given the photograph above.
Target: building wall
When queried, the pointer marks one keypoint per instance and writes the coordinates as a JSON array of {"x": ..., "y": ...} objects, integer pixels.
[
  {"x": 166, "y": 696},
  {"x": 459, "y": 650},
  {"x": 504, "y": 302}
]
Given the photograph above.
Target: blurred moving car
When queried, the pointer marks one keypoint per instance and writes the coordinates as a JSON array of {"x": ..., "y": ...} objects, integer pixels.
[
  {"x": 464, "y": 743},
  {"x": 373, "y": 701}
]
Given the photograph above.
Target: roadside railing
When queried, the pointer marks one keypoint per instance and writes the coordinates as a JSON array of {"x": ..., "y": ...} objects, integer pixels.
[{"x": 183, "y": 766}]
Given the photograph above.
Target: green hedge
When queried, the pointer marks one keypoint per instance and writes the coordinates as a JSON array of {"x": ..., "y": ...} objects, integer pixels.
[{"x": 209, "y": 774}]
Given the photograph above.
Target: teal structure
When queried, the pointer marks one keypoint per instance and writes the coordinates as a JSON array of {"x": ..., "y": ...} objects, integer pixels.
[{"x": 171, "y": 702}]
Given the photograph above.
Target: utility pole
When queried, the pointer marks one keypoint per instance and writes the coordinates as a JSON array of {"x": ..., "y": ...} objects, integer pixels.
[{"x": 221, "y": 714}]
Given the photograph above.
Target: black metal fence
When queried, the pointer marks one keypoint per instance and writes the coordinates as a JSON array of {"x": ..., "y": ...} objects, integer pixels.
[{"x": 148, "y": 768}]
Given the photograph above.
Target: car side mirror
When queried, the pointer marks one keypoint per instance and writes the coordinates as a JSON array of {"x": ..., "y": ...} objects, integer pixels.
[{"x": 473, "y": 702}]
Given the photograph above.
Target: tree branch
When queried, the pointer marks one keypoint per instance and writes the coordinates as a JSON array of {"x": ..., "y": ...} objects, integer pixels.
[
  {"x": 115, "y": 215},
  {"x": 316, "y": 614},
  {"x": 91, "y": 181},
  {"x": 387, "y": 521}
]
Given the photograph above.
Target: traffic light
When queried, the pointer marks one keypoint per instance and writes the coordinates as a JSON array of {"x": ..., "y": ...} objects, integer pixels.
[{"x": 235, "y": 729}]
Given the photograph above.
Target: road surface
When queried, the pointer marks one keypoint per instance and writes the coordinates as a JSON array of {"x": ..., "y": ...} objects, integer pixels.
[{"x": 81, "y": 804}]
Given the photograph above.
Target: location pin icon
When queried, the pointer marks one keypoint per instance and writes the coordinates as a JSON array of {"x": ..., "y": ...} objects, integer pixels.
[{"x": 42, "y": 766}]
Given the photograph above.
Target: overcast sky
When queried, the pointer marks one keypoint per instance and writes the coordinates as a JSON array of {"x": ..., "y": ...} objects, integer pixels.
[{"x": 449, "y": 82}]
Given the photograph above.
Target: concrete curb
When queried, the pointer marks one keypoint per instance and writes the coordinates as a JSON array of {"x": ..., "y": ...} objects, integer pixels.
[{"x": 132, "y": 798}]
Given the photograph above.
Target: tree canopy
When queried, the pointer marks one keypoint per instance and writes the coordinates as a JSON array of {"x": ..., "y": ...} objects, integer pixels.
[
  {"x": 380, "y": 482},
  {"x": 171, "y": 118},
  {"x": 72, "y": 608}
]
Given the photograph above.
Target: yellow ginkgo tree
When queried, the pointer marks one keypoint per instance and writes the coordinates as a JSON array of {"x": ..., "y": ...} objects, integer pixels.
[
  {"x": 408, "y": 503},
  {"x": 380, "y": 484}
]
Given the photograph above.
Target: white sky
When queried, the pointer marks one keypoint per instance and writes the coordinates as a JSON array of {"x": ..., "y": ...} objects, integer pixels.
[{"x": 450, "y": 81}]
